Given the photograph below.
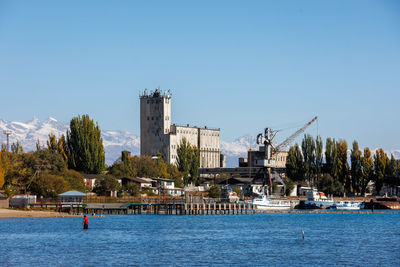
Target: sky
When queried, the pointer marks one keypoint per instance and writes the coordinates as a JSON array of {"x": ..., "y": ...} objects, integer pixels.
[{"x": 235, "y": 65}]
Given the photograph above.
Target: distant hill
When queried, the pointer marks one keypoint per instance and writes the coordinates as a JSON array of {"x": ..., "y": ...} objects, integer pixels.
[{"x": 114, "y": 142}]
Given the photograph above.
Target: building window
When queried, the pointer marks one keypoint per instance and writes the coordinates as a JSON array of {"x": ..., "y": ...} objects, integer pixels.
[{"x": 148, "y": 118}]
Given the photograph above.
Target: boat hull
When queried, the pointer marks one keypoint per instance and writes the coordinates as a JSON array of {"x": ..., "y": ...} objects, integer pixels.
[
  {"x": 260, "y": 207},
  {"x": 345, "y": 208},
  {"x": 310, "y": 204},
  {"x": 267, "y": 204}
]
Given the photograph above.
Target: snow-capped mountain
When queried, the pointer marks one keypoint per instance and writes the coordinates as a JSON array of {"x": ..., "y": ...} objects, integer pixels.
[
  {"x": 238, "y": 148},
  {"x": 29, "y": 132},
  {"x": 114, "y": 141}
]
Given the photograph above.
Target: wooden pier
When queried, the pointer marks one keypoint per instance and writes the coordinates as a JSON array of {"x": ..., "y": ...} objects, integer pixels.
[{"x": 170, "y": 208}]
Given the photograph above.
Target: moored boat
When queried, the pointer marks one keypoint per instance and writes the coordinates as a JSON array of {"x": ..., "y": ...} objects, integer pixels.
[
  {"x": 266, "y": 203},
  {"x": 316, "y": 200},
  {"x": 346, "y": 205}
]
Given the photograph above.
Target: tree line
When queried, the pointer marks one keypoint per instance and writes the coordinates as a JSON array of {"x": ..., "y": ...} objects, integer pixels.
[
  {"x": 333, "y": 172},
  {"x": 60, "y": 164}
]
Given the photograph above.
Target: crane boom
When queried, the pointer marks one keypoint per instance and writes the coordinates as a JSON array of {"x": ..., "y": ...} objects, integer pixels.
[{"x": 293, "y": 136}]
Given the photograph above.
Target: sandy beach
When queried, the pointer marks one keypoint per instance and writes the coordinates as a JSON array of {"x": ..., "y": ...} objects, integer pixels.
[{"x": 9, "y": 213}]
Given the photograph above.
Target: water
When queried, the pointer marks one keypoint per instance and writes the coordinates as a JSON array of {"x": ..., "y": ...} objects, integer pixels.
[{"x": 246, "y": 240}]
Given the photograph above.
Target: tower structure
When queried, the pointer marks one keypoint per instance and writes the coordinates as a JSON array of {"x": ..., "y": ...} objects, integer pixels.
[
  {"x": 155, "y": 122},
  {"x": 8, "y": 133},
  {"x": 159, "y": 136}
]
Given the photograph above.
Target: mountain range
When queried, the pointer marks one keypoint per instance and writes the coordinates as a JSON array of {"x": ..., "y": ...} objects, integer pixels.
[{"x": 28, "y": 133}]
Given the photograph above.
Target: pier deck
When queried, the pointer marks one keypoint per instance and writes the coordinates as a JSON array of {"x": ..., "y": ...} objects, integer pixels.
[{"x": 171, "y": 208}]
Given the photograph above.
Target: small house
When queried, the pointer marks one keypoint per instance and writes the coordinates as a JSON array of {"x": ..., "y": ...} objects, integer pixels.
[
  {"x": 72, "y": 197},
  {"x": 167, "y": 186},
  {"x": 141, "y": 182}
]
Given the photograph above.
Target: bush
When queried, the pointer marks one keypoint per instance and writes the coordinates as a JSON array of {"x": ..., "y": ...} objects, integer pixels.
[
  {"x": 289, "y": 185},
  {"x": 132, "y": 188},
  {"x": 237, "y": 190},
  {"x": 74, "y": 180},
  {"x": 330, "y": 186},
  {"x": 105, "y": 184},
  {"x": 49, "y": 185},
  {"x": 148, "y": 191},
  {"x": 214, "y": 192}
]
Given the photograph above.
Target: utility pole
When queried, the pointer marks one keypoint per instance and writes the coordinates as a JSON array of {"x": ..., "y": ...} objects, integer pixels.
[{"x": 8, "y": 133}]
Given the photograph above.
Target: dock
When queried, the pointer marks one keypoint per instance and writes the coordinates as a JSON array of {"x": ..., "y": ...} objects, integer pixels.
[{"x": 168, "y": 208}]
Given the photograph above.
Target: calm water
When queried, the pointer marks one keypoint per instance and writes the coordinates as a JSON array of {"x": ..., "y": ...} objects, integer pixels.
[{"x": 247, "y": 240}]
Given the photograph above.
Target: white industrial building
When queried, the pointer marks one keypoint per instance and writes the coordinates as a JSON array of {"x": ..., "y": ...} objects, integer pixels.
[{"x": 159, "y": 136}]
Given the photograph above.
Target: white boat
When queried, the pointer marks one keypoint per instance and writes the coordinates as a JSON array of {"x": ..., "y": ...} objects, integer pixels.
[
  {"x": 316, "y": 200},
  {"x": 346, "y": 205},
  {"x": 266, "y": 203}
]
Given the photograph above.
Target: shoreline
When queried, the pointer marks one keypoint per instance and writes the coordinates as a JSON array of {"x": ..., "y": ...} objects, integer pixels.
[
  {"x": 26, "y": 214},
  {"x": 30, "y": 214}
]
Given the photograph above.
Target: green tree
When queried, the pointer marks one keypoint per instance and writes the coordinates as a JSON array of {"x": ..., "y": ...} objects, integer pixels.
[
  {"x": 49, "y": 185},
  {"x": 295, "y": 164},
  {"x": 184, "y": 160},
  {"x": 125, "y": 168},
  {"x": 62, "y": 147},
  {"x": 14, "y": 170},
  {"x": 391, "y": 172},
  {"x": 145, "y": 166},
  {"x": 194, "y": 164},
  {"x": 175, "y": 175},
  {"x": 214, "y": 192},
  {"x": 85, "y": 146},
  {"x": 52, "y": 142},
  {"x": 105, "y": 184},
  {"x": 10, "y": 190},
  {"x": 356, "y": 168},
  {"x": 74, "y": 180},
  {"x": 318, "y": 155},
  {"x": 331, "y": 158},
  {"x": 58, "y": 145},
  {"x": 126, "y": 155},
  {"x": 132, "y": 188},
  {"x": 308, "y": 151},
  {"x": 380, "y": 163},
  {"x": 367, "y": 164},
  {"x": 16, "y": 148},
  {"x": 341, "y": 165},
  {"x": 1, "y": 173},
  {"x": 329, "y": 185},
  {"x": 44, "y": 161},
  {"x": 161, "y": 167},
  {"x": 289, "y": 185},
  {"x": 38, "y": 146}
]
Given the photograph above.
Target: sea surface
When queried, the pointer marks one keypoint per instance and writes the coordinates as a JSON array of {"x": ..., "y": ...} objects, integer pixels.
[{"x": 332, "y": 239}]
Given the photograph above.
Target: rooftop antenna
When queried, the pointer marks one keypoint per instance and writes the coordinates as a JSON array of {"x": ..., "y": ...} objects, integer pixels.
[{"x": 8, "y": 133}]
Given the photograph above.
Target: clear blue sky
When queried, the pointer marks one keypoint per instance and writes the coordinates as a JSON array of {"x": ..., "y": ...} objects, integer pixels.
[{"x": 236, "y": 65}]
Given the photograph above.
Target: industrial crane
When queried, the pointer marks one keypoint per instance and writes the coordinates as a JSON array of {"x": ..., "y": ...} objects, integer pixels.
[
  {"x": 270, "y": 149},
  {"x": 269, "y": 136}
]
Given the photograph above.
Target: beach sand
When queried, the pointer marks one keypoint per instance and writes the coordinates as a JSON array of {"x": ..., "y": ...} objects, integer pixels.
[{"x": 10, "y": 213}]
